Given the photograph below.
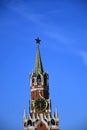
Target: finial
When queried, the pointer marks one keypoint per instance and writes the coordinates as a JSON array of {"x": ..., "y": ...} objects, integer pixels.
[{"x": 37, "y": 41}]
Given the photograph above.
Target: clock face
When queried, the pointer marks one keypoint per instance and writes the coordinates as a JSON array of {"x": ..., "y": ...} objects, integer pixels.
[{"x": 40, "y": 105}]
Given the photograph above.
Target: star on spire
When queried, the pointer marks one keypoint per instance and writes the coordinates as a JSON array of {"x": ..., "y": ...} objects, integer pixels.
[{"x": 37, "y": 41}]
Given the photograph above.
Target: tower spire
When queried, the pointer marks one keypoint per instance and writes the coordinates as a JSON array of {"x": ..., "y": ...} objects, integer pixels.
[{"x": 38, "y": 62}]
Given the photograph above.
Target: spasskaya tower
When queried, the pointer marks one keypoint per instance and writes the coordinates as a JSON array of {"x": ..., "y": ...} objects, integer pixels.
[{"x": 40, "y": 115}]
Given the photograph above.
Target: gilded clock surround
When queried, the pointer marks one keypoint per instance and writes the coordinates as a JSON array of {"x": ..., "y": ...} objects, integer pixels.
[{"x": 40, "y": 105}]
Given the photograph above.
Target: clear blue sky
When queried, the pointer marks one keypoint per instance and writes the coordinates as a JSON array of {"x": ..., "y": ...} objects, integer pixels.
[{"x": 62, "y": 27}]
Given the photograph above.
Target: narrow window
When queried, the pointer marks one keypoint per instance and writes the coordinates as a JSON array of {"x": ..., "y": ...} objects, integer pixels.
[
  {"x": 45, "y": 80},
  {"x": 38, "y": 79},
  {"x": 33, "y": 80}
]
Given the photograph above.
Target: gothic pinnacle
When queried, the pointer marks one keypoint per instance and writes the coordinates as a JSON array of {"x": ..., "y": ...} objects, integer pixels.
[{"x": 24, "y": 113}]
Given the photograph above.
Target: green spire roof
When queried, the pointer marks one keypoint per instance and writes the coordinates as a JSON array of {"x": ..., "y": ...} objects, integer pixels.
[{"x": 38, "y": 62}]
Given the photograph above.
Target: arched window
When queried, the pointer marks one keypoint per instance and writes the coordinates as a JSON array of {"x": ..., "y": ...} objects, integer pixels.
[
  {"x": 45, "y": 80},
  {"x": 33, "y": 80},
  {"x": 37, "y": 120},
  {"x": 52, "y": 122},
  {"x": 38, "y": 79},
  {"x": 29, "y": 123},
  {"x": 25, "y": 124}
]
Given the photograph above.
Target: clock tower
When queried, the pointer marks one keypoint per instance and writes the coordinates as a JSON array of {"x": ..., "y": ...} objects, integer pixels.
[{"x": 40, "y": 115}]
